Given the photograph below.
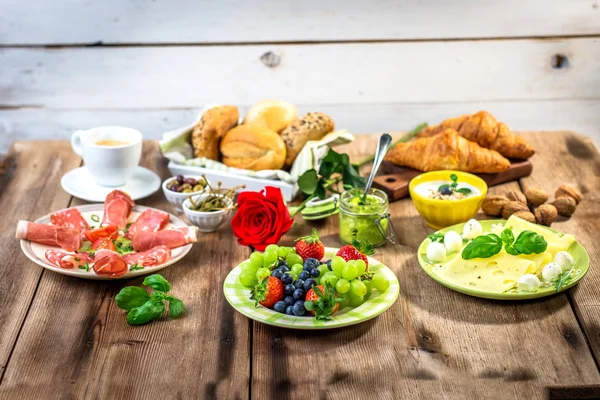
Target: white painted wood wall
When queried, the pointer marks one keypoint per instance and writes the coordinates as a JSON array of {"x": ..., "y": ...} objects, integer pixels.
[{"x": 373, "y": 65}]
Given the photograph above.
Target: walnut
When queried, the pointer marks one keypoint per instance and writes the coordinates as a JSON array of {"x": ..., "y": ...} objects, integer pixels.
[
  {"x": 536, "y": 196},
  {"x": 512, "y": 207},
  {"x": 493, "y": 205},
  {"x": 545, "y": 214},
  {"x": 515, "y": 195},
  {"x": 526, "y": 215},
  {"x": 565, "y": 206},
  {"x": 568, "y": 191}
]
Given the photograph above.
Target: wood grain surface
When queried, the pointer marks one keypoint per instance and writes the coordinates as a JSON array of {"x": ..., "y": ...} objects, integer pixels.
[{"x": 65, "y": 338}]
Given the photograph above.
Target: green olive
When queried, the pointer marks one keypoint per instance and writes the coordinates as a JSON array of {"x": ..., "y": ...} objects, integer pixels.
[
  {"x": 202, "y": 182},
  {"x": 185, "y": 186},
  {"x": 198, "y": 188},
  {"x": 187, "y": 191}
]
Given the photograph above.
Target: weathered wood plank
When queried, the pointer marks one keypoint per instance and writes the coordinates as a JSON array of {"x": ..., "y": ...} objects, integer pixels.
[
  {"x": 381, "y": 73},
  {"x": 185, "y": 21},
  {"x": 432, "y": 343},
  {"x": 76, "y": 342},
  {"x": 29, "y": 189}
]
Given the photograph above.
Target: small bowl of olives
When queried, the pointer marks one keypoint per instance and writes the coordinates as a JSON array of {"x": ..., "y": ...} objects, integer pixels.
[{"x": 178, "y": 188}]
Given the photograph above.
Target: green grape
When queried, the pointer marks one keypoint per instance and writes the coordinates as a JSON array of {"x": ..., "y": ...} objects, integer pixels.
[
  {"x": 329, "y": 278},
  {"x": 294, "y": 275},
  {"x": 345, "y": 302},
  {"x": 297, "y": 268},
  {"x": 257, "y": 259},
  {"x": 323, "y": 270},
  {"x": 337, "y": 265},
  {"x": 248, "y": 278},
  {"x": 293, "y": 259},
  {"x": 355, "y": 301},
  {"x": 349, "y": 272},
  {"x": 380, "y": 282},
  {"x": 272, "y": 247},
  {"x": 292, "y": 250},
  {"x": 282, "y": 252},
  {"x": 269, "y": 258},
  {"x": 245, "y": 265},
  {"x": 357, "y": 288},
  {"x": 361, "y": 266},
  {"x": 262, "y": 273},
  {"x": 342, "y": 286}
]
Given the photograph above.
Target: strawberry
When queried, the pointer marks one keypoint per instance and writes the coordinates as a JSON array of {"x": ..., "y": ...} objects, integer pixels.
[
  {"x": 322, "y": 302},
  {"x": 310, "y": 246},
  {"x": 358, "y": 250},
  {"x": 268, "y": 292}
]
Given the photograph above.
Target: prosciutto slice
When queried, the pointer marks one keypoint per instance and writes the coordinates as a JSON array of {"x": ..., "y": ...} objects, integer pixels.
[
  {"x": 67, "y": 260},
  {"x": 148, "y": 221},
  {"x": 149, "y": 258},
  {"x": 69, "y": 218},
  {"x": 51, "y": 235},
  {"x": 109, "y": 263},
  {"x": 170, "y": 238},
  {"x": 117, "y": 208}
]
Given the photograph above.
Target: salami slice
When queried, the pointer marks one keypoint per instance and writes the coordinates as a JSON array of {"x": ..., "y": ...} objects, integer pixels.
[
  {"x": 109, "y": 263},
  {"x": 155, "y": 256},
  {"x": 67, "y": 260},
  {"x": 70, "y": 218}
]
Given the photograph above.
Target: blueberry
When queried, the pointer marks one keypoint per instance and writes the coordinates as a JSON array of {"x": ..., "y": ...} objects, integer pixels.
[
  {"x": 299, "y": 283},
  {"x": 280, "y": 306},
  {"x": 289, "y": 300},
  {"x": 287, "y": 278},
  {"x": 283, "y": 263},
  {"x": 276, "y": 273},
  {"x": 304, "y": 275},
  {"x": 289, "y": 310},
  {"x": 309, "y": 283},
  {"x": 311, "y": 263},
  {"x": 314, "y": 272},
  {"x": 299, "y": 294},
  {"x": 298, "y": 308},
  {"x": 329, "y": 264},
  {"x": 284, "y": 268},
  {"x": 446, "y": 190},
  {"x": 289, "y": 289}
]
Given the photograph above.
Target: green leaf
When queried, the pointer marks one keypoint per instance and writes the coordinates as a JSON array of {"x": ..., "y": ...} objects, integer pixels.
[
  {"x": 145, "y": 313},
  {"x": 309, "y": 305},
  {"x": 436, "y": 237},
  {"x": 507, "y": 236},
  {"x": 464, "y": 190},
  {"x": 136, "y": 267},
  {"x": 562, "y": 280},
  {"x": 176, "y": 307},
  {"x": 530, "y": 242},
  {"x": 307, "y": 182},
  {"x": 352, "y": 178},
  {"x": 510, "y": 249},
  {"x": 157, "y": 282},
  {"x": 321, "y": 192},
  {"x": 454, "y": 177},
  {"x": 130, "y": 297},
  {"x": 482, "y": 247}
]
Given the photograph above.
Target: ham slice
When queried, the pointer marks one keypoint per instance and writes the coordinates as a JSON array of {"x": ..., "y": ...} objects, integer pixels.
[
  {"x": 170, "y": 238},
  {"x": 155, "y": 256},
  {"x": 69, "y": 218},
  {"x": 67, "y": 260},
  {"x": 148, "y": 221},
  {"x": 109, "y": 263},
  {"x": 51, "y": 235},
  {"x": 117, "y": 208}
]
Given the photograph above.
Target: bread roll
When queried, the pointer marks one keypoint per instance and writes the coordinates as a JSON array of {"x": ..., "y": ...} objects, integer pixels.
[
  {"x": 213, "y": 124},
  {"x": 274, "y": 114},
  {"x": 313, "y": 126},
  {"x": 254, "y": 147}
]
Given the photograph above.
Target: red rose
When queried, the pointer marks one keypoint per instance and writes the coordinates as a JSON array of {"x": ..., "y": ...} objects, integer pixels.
[{"x": 262, "y": 218}]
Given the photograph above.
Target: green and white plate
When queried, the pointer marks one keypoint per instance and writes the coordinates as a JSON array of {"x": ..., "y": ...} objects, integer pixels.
[
  {"x": 580, "y": 256},
  {"x": 239, "y": 297}
]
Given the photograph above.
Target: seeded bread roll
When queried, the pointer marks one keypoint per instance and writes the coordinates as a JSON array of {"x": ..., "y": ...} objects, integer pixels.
[
  {"x": 313, "y": 126},
  {"x": 213, "y": 125}
]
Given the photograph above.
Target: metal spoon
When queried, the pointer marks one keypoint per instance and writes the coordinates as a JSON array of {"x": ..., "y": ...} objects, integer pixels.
[{"x": 382, "y": 147}]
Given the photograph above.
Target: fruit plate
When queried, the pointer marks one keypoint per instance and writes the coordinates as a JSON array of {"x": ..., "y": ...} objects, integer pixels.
[
  {"x": 580, "y": 256},
  {"x": 36, "y": 252},
  {"x": 239, "y": 297}
]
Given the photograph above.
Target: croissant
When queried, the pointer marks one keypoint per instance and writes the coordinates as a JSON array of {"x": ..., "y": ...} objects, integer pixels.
[
  {"x": 447, "y": 150},
  {"x": 483, "y": 128}
]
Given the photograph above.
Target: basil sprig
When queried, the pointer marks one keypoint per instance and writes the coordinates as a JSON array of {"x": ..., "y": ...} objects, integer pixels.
[
  {"x": 144, "y": 307},
  {"x": 486, "y": 246},
  {"x": 454, "y": 186}
]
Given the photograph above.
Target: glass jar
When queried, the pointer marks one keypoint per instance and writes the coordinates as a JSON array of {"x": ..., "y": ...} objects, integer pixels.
[{"x": 369, "y": 222}]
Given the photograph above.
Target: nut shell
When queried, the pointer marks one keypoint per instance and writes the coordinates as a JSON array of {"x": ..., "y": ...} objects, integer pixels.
[
  {"x": 493, "y": 205},
  {"x": 568, "y": 191},
  {"x": 512, "y": 207},
  {"x": 545, "y": 214},
  {"x": 515, "y": 195},
  {"x": 526, "y": 215},
  {"x": 536, "y": 196},
  {"x": 565, "y": 205}
]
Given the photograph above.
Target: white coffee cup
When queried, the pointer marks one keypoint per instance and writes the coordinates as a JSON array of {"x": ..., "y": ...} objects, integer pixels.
[{"x": 110, "y": 153}]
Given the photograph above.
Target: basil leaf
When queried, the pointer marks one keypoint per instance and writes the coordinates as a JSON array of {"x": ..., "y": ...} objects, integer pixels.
[
  {"x": 145, "y": 313},
  {"x": 176, "y": 307},
  {"x": 510, "y": 249},
  {"x": 435, "y": 237},
  {"x": 157, "y": 282},
  {"x": 130, "y": 297},
  {"x": 530, "y": 242},
  {"x": 482, "y": 247},
  {"x": 507, "y": 236},
  {"x": 464, "y": 190},
  {"x": 454, "y": 177}
]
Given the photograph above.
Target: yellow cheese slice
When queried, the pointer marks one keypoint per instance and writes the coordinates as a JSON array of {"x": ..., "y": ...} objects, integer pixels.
[{"x": 555, "y": 241}]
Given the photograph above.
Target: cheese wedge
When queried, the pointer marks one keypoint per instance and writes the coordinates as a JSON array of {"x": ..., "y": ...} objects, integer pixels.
[{"x": 556, "y": 242}]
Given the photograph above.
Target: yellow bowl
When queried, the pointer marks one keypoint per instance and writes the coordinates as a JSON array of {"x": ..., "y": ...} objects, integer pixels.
[{"x": 442, "y": 213}]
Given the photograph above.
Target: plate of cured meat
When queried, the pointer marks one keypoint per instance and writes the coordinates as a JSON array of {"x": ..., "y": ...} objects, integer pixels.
[{"x": 114, "y": 240}]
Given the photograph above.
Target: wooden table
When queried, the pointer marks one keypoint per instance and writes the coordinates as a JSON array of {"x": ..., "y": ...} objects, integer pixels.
[{"x": 62, "y": 337}]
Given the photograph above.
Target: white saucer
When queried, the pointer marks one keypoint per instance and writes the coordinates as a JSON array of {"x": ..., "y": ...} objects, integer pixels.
[{"x": 80, "y": 183}]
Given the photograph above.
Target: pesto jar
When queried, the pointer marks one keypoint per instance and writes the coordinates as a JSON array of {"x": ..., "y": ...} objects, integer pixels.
[{"x": 368, "y": 221}]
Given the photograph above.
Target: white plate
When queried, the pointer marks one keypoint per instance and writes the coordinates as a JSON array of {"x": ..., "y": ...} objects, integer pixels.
[
  {"x": 80, "y": 183},
  {"x": 36, "y": 251}
]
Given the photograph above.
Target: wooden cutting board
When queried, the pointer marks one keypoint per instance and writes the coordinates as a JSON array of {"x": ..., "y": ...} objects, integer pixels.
[{"x": 395, "y": 180}]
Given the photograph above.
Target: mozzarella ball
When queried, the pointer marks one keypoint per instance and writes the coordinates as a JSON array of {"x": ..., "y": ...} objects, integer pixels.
[
  {"x": 452, "y": 241},
  {"x": 436, "y": 252},
  {"x": 564, "y": 260},
  {"x": 529, "y": 283},
  {"x": 472, "y": 229},
  {"x": 551, "y": 272}
]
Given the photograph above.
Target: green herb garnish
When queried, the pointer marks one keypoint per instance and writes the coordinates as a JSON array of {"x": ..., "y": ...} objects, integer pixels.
[
  {"x": 136, "y": 267},
  {"x": 562, "y": 279},
  {"x": 86, "y": 266},
  {"x": 95, "y": 218},
  {"x": 454, "y": 186},
  {"x": 144, "y": 308},
  {"x": 85, "y": 247},
  {"x": 486, "y": 246},
  {"x": 123, "y": 245},
  {"x": 436, "y": 237}
]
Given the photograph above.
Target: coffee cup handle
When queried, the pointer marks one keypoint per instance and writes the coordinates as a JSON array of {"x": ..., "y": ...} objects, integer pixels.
[{"x": 76, "y": 143}]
